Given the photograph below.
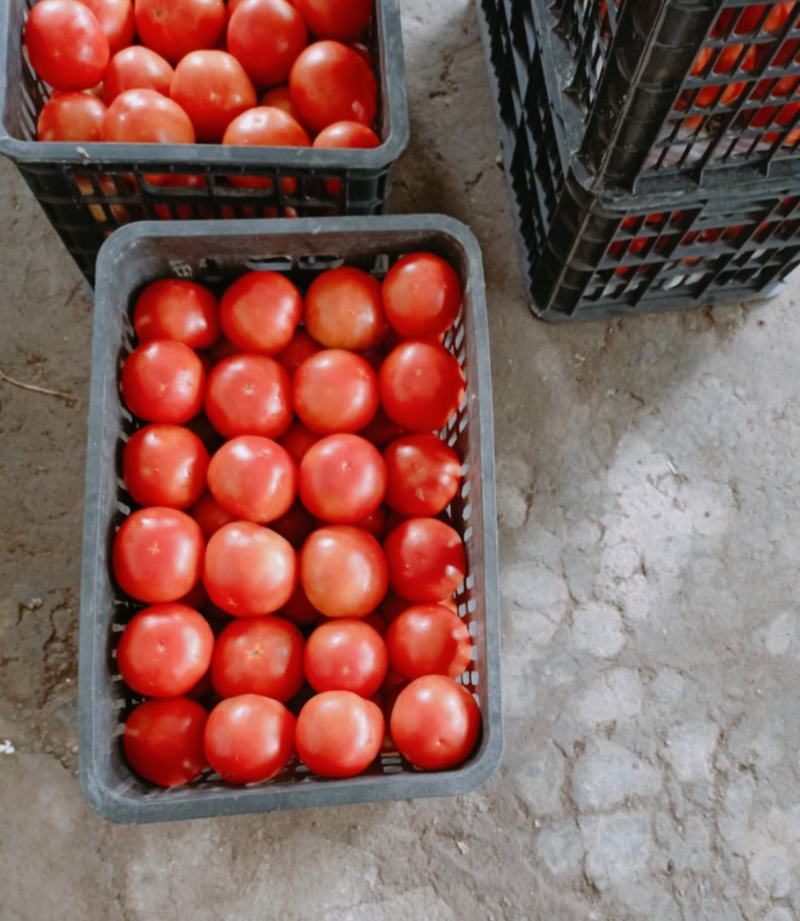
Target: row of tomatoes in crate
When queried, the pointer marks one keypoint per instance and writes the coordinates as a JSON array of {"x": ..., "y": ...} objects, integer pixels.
[{"x": 267, "y": 513}]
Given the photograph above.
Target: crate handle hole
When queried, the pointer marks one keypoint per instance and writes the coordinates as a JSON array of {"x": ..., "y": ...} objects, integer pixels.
[{"x": 269, "y": 263}]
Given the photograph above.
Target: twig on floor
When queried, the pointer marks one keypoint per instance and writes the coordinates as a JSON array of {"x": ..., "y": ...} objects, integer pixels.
[{"x": 68, "y": 398}]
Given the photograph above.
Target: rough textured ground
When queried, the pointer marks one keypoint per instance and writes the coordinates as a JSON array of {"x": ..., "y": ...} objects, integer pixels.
[{"x": 649, "y": 503}]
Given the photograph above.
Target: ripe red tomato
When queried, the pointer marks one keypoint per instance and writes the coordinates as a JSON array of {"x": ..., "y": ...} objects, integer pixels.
[
  {"x": 157, "y": 555},
  {"x": 335, "y": 391},
  {"x": 265, "y": 127},
  {"x": 210, "y": 515},
  {"x": 258, "y": 655},
  {"x": 165, "y": 650},
  {"x": 343, "y": 310},
  {"x": 295, "y": 525},
  {"x": 249, "y": 395},
  {"x": 298, "y": 440},
  {"x": 345, "y": 135},
  {"x": 342, "y": 479},
  {"x": 213, "y": 89},
  {"x": 422, "y": 296},
  {"x": 382, "y": 430},
  {"x": 173, "y": 28},
  {"x": 147, "y": 117},
  {"x": 163, "y": 741},
  {"x": 329, "y": 83},
  {"x": 343, "y": 571},
  {"x": 344, "y": 20},
  {"x": 116, "y": 20},
  {"x": 299, "y": 609},
  {"x": 346, "y": 655},
  {"x": 424, "y": 475},
  {"x": 249, "y": 738},
  {"x": 249, "y": 570},
  {"x": 435, "y": 723},
  {"x": 71, "y": 117},
  {"x": 375, "y": 523},
  {"x": 65, "y": 44},
  {"x": 339, "y": 734},
  {"x": 421, "y": 386},
  {"x": 135, "y": 68},
  {"x": 176, "y": 309},
  {"x": 300, "y": 347},
  {"x": 163, "y": 381},
  {"x": 253, "y": 478},
  {"x": 429, "y": 639},
  {"x": 165, "y": 465},
  {"x": 260, "y": 312},
  {"x": 279, "y": 98},
  {"x": 752, "y": 15},
  {"x": 266, "y": 36},
  {"x": 426, "y": 558}
]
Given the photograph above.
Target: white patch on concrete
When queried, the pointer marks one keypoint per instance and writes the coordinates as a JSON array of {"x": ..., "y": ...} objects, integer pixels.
[
  {"x": 617, "y": 847},
  {"x": 616, "y": 696},
  {"x": 607, "y": 774},
  {"x": 690, "y": 746},
  {"x": 560, "y": 848},
  {"x": 598, "y": 629}
]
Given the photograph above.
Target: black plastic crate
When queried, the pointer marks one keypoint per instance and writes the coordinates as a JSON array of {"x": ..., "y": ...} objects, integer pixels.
[
  {"x": 214, "y": 253},
  {"x": 88, "y": 190}
]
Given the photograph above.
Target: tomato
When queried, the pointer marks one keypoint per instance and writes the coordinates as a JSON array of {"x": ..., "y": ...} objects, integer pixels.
[
  {"x": 393, "y": 606},
  {"x": 249, "y": 395},
  {"x": 382, "y": 430},
  {"x": 426, "y": 558},
  {"x": 266, "y": 36},
  {"x": 249, "y": 738},
  {"x": 346, "y": 655},
  {"x": 173, "y": 28},
  {"x": 157, "y": 555},
  {"x": 249, "y": 570},
  {"x": 260, "y": 312},
  {"x": 298, "y": 440},
  {"x": 299, "y": 609},
  {"x": 339, "y": 734},
  {"x": 213, "y": 89},
  {"x": 731, "y": 59},
  {"x": 375, "y": 522},
  {"x": 345, "y": 135},
  {"x": 335, "y": 391},
  {"x": 258, "y": 655},
  {"x": 342, "y": 479},
  {"x": 344, "y": 20},
  {"x": 147, "y": 117},
  {"x": 343, "y": 571},
  {"x": 435, "y": 723},
  {"x": 163, "y": 381},
  {"x": 71, "y": 117},
  {"x": 421, "y": 386},
  {"x": 115, "y": 18},
  {"x": 265, "y": 127},
  {"x": 343, "y": 310},
  {"x": 163, "y": 741},
  {"x": 329, "y": 83},
  {"x": 421, "y": 296},
  {"x": 424, "y": 475},
  {"x": 751, "y": 18},
  {"x": 428, "y": 639},
  {"x": 253, "y": 478},
  {"x": 165, "y": 465},
  {"x": 164, "y": 650},
  {"x": 173, "y": 308},
  {"x": 279, "y": 98},
  {"x": 295, "y": 525},
  {"x": 65, "y": 44},
  {"x": 210, "y": 515},
  {"x": 134, "y": 68}
]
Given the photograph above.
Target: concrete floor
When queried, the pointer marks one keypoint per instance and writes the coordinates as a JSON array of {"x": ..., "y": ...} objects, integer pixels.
[{"x": 649, "y": 513}]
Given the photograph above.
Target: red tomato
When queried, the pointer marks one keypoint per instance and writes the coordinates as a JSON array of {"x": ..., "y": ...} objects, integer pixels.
[
  {"x": 300, "y": 347},
  {"x": 260, "y": 312},
  {"x": 210, "y": 515},
  {"x": 331, "y": 83},
  {"x": 435, "y": 723},
  {"x": 393, "y": 606},
  {"x": 279, "y": 98},
  {"x": 295, "y": 525},
  {"x": 176, "y": 309},
  {"x": 71, "y": 117},
  {"x": 249, "y": 738},
  {"x": 249, "y": 570},
  {"x": 147, "y": 117},
  {"x": 731, "y": 58},
  {"x": 342, "y": 479},
  {"x": 163, "y": 741},
  {"x": 136, "y": 68},
  {"x": 382, "y": 430},
  {"x": 339, "y": 734},
  {"x": 344, "y": 20},
  {"x": 253, "y": 478},
  {"x": 375, "y": 523},
  {"x": 751, "y": 17},
  {"x": 335, "y": 391},
  {"x": 298, "y": 440},
  {"x": 249, "y": 395},
  {"x": 173, "y": 28},
  {"x": 345, "y": 135},
  {"x": 343, "y": 571},
  {"x": 165, "y": 465},
  {"x": 421, "y": 296},
  {"x": 426, "y": 560},
  {"x": 299, "y": 609},
  {"x": 265, "y": 127},
  {"x": 163, "y": 381},
  {"x": 428, "y": 639},
  {"x": 258, "y": 655},
  {"x": 116, "y": 20},
  {"x": 424, "y": 475},
  {"x": 65, "y": 44},
  {"x": 266, "y": 36},
  {"x": 213, "y": 89},
  {"x": 343, "y": 310},
  {"x": 421, "y": 386},
  {"x": 157, "y": 555},
  {"x": 346, "y": 655},
  {"x": 164, "y": 650}
]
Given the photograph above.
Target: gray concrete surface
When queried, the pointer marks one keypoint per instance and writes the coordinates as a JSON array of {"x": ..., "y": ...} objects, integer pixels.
[{"x": 649, "y": 502}]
